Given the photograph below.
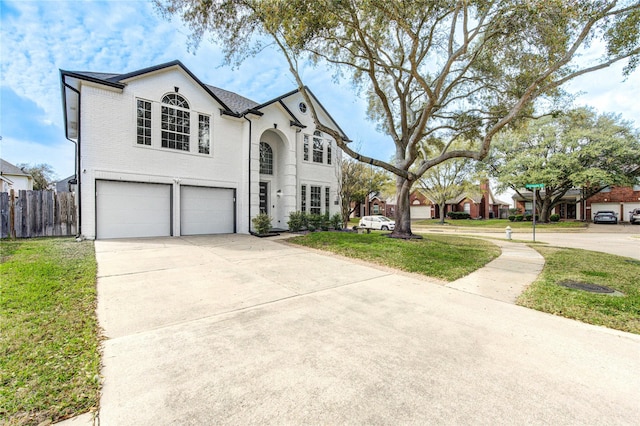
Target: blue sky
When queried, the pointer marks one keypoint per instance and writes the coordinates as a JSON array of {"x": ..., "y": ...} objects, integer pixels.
[{"x": 41, "y": 37}]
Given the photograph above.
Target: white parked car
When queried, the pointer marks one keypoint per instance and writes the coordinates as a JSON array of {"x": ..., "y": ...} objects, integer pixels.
[{"x": 377, "y": 222}]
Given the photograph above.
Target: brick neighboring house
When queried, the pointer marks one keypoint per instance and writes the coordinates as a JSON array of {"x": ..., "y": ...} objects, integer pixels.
[
  {"x": 482, "y": 204},
  {"x": 375, "y": 204},
  {"x": 620, "y": 200}
]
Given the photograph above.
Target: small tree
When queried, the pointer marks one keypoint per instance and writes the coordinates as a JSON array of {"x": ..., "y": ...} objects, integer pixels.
[
  {"x": 446, "y": 181},
  {"x": 356, "y": 181},
  {"x": 43, "y": 175}
]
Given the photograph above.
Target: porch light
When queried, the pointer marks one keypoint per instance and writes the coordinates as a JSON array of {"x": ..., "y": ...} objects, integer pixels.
[{"x": 279, "y": 193}]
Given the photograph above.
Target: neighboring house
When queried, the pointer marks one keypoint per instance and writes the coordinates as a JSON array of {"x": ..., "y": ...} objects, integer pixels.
[
  {"x": 620, "y": 200},
  {"x": 421, "y": 205},
  {"x": 568, "y": 209},
  {"x": 159, "y": 153},
  {"x": 13, "y": 177},
  {"x": 374, "y": 204},
  {"x": 480, "y": 204},
  {"x": 66, "y": 185}
]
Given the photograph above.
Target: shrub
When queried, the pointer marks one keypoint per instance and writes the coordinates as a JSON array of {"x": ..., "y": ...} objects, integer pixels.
[
  {"x": 325, "y": 222},
  {"x": 554, "y": 217},
  {"x": 297, "y": 221},
  {"x": 314, "y": 221},
  {"x": 519, "y": 218},
  {"x": 512, "y": 218},
  {"x": 528, "y": 217},
  {"x": 336, "y": 221},
  {"x": 262, "y": 223},
  {"x": 458, "y": 215}
]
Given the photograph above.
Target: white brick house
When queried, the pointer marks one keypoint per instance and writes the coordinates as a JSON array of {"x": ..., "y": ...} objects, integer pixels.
[{"x": 159, "y": 153}]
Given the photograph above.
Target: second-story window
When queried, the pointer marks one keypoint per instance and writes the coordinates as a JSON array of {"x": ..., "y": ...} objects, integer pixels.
[
  {"x": 176, "y": 122},
  {"x": 204, "y": 136},
  {"x": 318, "y": 147},
  {"x": 306, "y": 147},
  {"x": 143, "y": 122}
]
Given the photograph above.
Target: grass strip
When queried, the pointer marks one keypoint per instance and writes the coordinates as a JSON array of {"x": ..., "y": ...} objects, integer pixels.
[
  {"x": 446, "y": 257},
  {"x": 616, "y": 272},
  {"x": 49, "y": 345}
]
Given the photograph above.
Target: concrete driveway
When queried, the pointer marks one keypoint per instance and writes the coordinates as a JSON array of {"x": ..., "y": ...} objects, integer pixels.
[{"x": 241, "y": 330}]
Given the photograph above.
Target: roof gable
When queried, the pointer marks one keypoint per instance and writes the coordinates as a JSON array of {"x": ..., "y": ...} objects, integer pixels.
[
  {"x": 6, "y": 168},
  {"x": 232, "y": 103}
]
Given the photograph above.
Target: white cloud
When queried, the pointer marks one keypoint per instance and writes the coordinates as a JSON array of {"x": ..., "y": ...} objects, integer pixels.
[{"x": 60, "y": 156}]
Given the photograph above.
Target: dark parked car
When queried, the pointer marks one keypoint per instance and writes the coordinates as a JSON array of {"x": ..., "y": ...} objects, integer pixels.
[{"x": 605, "y": 217}]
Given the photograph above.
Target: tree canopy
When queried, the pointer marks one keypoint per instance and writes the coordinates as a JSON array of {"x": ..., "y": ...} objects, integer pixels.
[
  {"x": 447, "y": 181},
  {"x": 579, "y": 149},
  {"x": 432, "y": 71},
  {"x": 43, "y": 175}
]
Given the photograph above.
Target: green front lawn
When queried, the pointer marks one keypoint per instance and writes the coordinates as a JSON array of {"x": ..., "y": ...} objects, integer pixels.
[
  {"x": 445, "y": 257},
  {"x": 49, "y": 345},
  {"x": 499, "y": 224},
  {"x": 618, "y": 273}
]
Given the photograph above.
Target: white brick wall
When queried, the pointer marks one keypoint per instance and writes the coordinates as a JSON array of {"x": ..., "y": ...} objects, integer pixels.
[{"x": 109, "y": 149}]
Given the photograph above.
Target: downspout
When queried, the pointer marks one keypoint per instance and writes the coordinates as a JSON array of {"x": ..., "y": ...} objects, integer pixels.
[
  {"x": 77, "y": 153},
  {"x": 249, "y": 171}
]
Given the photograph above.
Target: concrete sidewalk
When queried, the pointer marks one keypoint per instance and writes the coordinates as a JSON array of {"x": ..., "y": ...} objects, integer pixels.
[
  {"x": 506, "y": 277},
  {"x": 241, "y": 330}
]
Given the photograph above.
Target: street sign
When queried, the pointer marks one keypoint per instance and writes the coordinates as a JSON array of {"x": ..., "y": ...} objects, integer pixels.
[{"x": 534, "y": 186}]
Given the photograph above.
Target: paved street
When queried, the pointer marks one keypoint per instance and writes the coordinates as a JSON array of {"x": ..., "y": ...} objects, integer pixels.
[
  {"x": 241, "y": 330},
  {"x": 621, "y": 240}
]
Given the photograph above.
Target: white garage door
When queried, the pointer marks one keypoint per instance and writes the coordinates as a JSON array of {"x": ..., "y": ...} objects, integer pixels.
[
  {"x": 132, "y": 209},
  {"x": 207, "y": 210},
  {"x": 598, "y": 207},
  {"x": 629, "y": 207},
  {"x": 420, "y": 212}
]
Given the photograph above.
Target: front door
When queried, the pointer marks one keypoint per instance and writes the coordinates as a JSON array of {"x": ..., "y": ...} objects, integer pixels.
[{"x": 264, "y": 200}]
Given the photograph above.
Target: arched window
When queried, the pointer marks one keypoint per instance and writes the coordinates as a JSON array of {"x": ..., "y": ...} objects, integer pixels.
[
  {"x": 266, "y": 159},
  {"x": 176, "y": 122},
  {"x": 176, "y": 100}
]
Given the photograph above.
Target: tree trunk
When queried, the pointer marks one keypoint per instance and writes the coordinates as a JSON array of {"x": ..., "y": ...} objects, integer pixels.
[
  {"x": 545, "y": 210},
  {"x": 442, "y": 207},
  {"x": 403, "y": 210}
]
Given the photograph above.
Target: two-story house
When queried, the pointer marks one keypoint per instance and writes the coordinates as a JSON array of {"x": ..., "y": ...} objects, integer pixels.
[{"x": 159, "y": 153}]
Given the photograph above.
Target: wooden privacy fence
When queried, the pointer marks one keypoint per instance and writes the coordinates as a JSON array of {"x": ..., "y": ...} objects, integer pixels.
[{"x": 27, "y": 214}]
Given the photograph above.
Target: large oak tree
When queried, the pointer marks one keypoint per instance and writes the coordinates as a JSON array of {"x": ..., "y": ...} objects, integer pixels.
[{"x": 432, "y": 71}]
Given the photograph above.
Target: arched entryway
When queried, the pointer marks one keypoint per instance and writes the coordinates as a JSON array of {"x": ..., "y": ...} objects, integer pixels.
[{"x": 276, "y": 183}]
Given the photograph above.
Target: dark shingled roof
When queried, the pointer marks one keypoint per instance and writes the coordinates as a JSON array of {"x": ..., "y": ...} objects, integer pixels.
[
  {"x": 234, "y": 101},
  {"x": 98, "y": 75},
  {"x": 9, "y": 169}
]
